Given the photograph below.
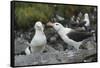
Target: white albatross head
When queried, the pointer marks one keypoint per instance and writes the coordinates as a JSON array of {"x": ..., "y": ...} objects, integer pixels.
[
  {"x": 56, "y": 26},
  {"x": 39, "y": 26}
]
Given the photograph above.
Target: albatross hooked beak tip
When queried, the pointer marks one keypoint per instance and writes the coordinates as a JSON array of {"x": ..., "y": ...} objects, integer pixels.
[{"x": 49, "y": 24}]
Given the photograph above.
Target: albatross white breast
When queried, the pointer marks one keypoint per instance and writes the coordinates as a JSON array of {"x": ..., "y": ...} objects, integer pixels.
[
  {"x": 70, "y": 36},
  {"x": 38, "y": 42},
  {"x": 86, "y": 19}
]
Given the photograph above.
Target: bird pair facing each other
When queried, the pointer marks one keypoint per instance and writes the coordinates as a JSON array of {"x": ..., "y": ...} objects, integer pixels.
[{"x": 68, "y": 35}]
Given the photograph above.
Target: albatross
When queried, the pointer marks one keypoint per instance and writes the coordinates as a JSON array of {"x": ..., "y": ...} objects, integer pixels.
[
  {"x": 38, "y": 42},
  {"x": 86, "y": 18},
  {"x": 70, "y": 36},
  {"x": 86, "y": 22}
]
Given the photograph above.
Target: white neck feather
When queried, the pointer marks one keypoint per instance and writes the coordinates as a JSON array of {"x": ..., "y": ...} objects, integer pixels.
[{"x": 38, "y": 32}]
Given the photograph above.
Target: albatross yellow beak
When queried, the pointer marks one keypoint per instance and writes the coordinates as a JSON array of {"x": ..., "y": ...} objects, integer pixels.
[{"x": 49, "y": 24}]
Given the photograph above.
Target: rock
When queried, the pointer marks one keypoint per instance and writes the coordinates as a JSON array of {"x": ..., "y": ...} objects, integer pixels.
[
  {"x": 50, "y": 49},
  {"x": 56, "y": 57},
  {"x": 53, "y": 39},
  {"x": 88, "y": 44},
  {"x": 20, "y": 45},
  {"x": 59, "y": 47}
]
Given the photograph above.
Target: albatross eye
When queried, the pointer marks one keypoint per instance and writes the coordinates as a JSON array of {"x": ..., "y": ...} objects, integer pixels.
[{"x": 57, "y": 24}]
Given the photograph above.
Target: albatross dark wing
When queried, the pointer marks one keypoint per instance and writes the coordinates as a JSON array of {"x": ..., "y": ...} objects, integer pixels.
[
  {"x": 78, "y": 36},
  {"x": 81, "y": 24}
]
